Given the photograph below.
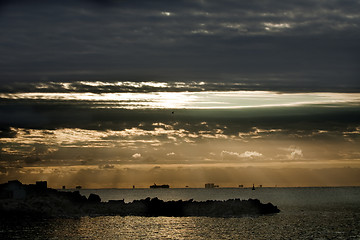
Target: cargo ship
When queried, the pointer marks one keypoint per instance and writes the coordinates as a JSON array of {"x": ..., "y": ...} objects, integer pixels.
[{"x": 159, "y": 186}]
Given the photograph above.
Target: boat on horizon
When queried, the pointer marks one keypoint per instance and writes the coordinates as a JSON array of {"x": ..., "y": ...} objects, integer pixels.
[{"x": 160, "y": 186}]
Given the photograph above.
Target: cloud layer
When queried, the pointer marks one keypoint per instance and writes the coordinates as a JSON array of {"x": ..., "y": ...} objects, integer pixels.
[
  {"x": 136, "y": 92},
  {"x": 293, "y": 45}
]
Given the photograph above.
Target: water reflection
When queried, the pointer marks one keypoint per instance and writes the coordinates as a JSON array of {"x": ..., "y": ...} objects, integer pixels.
[
  {"x": 297, "y": 225},
  {"x": 307, "y": 213}
]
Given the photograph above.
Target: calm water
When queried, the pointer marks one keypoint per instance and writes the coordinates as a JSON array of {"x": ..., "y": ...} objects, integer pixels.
[{"x": 306, "y": 213}]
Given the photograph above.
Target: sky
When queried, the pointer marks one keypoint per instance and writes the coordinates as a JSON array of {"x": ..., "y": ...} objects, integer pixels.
[{"x": 118, "y": 93}]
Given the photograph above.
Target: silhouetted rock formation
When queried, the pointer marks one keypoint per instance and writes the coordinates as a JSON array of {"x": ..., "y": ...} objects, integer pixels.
[
  {"x": 40, "y": 202},
  {"x": 156, "y": 207},
  {"x": 93, "y": 198}
]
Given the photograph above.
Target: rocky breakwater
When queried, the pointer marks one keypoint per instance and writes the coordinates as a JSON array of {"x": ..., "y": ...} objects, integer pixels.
[
  {"x": 72, "y": 204},
  {"x": 45, "y": 202},
  {"x": 156, "y": 207}
]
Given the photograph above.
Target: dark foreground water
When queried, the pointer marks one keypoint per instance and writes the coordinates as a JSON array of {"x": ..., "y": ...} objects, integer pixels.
[{"x": 306, "y": 213}]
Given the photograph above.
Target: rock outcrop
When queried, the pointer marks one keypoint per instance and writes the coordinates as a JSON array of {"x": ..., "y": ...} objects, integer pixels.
[
  {"x": 52, "y": 203},
  {"x": 156, "y": 207}
]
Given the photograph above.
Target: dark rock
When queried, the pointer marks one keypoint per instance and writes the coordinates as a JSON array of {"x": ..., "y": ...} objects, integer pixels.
[{"x": 94, "y": 198}]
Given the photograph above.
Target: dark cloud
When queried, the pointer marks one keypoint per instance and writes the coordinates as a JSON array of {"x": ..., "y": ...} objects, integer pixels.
[
  {"x": 43, "y": 114},
  {"x": 32, "y": 160},
  {"x": 3, "y": 170},
  {"x": 7, "y": 132},
  {"x": 243, "y": 84},
  {"x": 294, "y": 46}
]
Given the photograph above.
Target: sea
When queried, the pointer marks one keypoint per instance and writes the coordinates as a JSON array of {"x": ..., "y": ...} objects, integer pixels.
[{"x": 306, "y": 213}]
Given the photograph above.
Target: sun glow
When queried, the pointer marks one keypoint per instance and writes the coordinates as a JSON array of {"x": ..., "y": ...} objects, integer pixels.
[{"x": 194, "y": 100}]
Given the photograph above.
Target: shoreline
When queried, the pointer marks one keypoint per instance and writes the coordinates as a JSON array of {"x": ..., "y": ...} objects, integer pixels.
[{"x": 21, "y": 200}]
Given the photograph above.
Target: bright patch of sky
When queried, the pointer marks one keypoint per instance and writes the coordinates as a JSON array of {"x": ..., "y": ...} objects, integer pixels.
[{"x": 195, "y": 100}]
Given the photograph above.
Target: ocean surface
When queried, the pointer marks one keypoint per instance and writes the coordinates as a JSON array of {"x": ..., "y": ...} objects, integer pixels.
[{"x": 306, "y": 213}]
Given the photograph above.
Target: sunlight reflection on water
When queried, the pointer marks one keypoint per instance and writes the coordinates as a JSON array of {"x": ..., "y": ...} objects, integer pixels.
[{"x": 310, "y": 225}]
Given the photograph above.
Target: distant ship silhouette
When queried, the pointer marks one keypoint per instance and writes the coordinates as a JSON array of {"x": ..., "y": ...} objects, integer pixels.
[{"x": 159, "y": 186}]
